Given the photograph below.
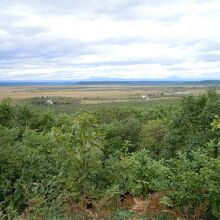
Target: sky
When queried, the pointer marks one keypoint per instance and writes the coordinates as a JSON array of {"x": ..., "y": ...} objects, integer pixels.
[{"x": 109, "y": 39}]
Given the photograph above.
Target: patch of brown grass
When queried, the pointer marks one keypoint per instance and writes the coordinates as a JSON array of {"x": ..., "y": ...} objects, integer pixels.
[
  {"x": 77, "y": 209},
  {"x": 151, "y": 207}
]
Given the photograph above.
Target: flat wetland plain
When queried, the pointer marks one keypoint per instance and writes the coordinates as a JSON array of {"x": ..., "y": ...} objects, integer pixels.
[{"x": 92, "y": 94}]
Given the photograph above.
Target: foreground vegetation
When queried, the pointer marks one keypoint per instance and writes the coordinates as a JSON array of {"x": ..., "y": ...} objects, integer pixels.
[{"x": 139, "y": 162}]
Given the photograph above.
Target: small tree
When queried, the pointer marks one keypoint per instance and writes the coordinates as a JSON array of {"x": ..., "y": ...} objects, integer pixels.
[
  {"x": 6, "y": 111},
  {"x": 216, "y": 127},
  {"x": 190, "y": 127},
  {"x": 84, "y": 160}
]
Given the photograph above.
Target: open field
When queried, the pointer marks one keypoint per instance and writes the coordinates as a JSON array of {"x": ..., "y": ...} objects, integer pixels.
[{"x": 92, "y": 94}]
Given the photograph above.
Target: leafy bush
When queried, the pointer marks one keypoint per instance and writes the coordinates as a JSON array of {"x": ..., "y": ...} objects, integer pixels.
[
  {"x": 190, "y": 126},
  {"x": 90, "y": 162}
]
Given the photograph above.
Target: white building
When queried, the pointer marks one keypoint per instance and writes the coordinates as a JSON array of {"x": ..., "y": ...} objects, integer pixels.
[
  {"x": 145, "y": 97},
  {"x": 49, "y": 102}
]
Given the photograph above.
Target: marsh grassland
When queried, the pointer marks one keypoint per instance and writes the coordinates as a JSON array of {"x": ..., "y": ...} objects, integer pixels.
[{"x": 101, "y": 93}]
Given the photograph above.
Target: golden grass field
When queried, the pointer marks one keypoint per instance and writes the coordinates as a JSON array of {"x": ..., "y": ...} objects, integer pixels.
[{"x": 96, "y": 94}]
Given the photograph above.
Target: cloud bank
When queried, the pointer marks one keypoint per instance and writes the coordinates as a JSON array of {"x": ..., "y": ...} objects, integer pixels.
[{"x": 127, "y": 39}]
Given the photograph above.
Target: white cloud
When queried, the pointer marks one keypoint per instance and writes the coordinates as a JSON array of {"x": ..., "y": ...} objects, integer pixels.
[{"x": 125, "y": 39}]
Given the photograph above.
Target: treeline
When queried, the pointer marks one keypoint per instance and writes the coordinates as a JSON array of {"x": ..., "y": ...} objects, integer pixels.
[{"x": 116, "y": 163}]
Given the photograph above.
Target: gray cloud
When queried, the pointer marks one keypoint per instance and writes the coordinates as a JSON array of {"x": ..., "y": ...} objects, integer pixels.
[
  {"x": 209, "y": 57},
  {"x": 92, "y": 9},
  {"x": 134, "y": 39}
]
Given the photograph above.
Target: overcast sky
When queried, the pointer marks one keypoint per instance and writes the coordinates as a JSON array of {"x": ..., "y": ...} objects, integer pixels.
[{"x": 98, "y": 39}]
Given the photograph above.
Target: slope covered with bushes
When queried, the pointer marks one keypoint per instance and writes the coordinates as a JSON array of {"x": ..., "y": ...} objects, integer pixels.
[{"x": 117, "y": 163}]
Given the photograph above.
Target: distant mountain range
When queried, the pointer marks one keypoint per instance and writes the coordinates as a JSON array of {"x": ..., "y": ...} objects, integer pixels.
[
  {"x": 114, "y": 82},
  {"x": 153, "y": 83},
  {"x": 204, "y": 82}
]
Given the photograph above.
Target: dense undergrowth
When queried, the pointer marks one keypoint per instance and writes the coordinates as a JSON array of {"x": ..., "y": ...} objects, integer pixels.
[{"x": 111, "y": 163}]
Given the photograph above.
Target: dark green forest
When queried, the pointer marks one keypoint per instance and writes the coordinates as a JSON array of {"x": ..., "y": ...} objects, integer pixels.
[{"x": 152, "y": 161}]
